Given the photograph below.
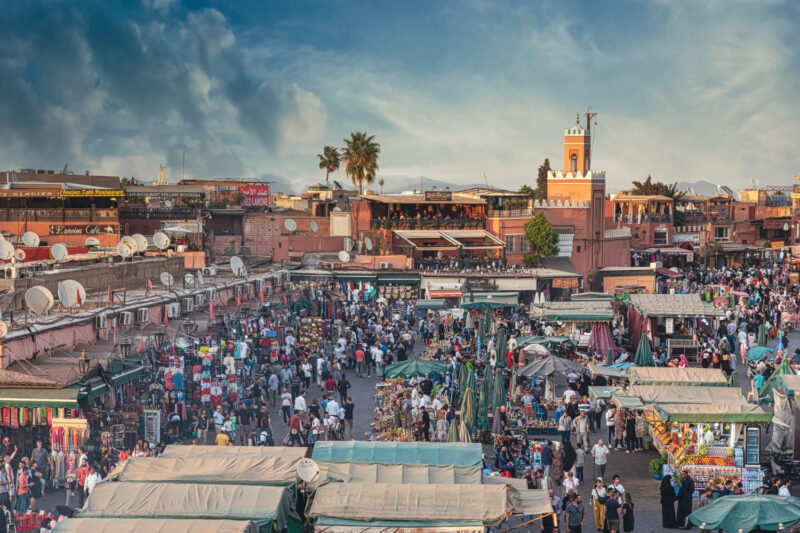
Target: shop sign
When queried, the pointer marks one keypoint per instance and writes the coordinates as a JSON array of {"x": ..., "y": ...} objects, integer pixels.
[
  {"x": 82, "y": 229},
  {"x": 565, "y": 283},
  {"x": 686, "y": 237},
  {"x": 254, "y": 195},
  {"x": 91, "y": 193},
  {"x": 776, "y": 245},
  {"x": 438, "y": 196},
  {"x": 669, "y": 327}
]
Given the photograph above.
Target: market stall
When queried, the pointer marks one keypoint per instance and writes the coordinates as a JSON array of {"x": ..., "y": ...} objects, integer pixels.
[
  {"x": 414, "y": 453},
  {"x": 153, "y": 525},
  {"x": 708, "y": 377},
  {"x": 415, "y": 367},
  {"x": 285, "y": 452},
  {"x": 410, "y": 474}
]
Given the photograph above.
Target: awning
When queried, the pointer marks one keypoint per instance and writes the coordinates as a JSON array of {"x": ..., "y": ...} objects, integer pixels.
[
  {"x": 708, "y": 377},
  {"x": 507, "y": 297},
  {"x": 127, "y": 375},
  {"x": 398, "y": 279},
  {"x": 444, "y": 293},
  {"x": 668, "y": 273},
  {"x": 310, "y": 275},
  {"x": 416, "y": 453},
  {"x": 430, "y": 304},
  {"x": 95, "y": 388},
  {"x": 579, "y": 315},
  {"x": 715, "y": 412},
  {"x": 356, "y": 276},
  {"x": 25, "y": 397},
  {"x": 596, "y": 392}
]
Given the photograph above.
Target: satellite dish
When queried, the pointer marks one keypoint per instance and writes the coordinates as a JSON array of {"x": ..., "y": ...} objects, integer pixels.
[
  {"x": 756, "y": 182},
  {"x": 2, "y": 237},
  {"x": 691, "y": 191},
  {"x": 92, "y": 241},
  {"x": 188, "y": 279},
  {"x": 3, "y": 329},
  {"x": 6, "y": 250},
  {"x": 59, "y": 251},
  {"x": 307, "y": 470},
  {"x": 130, "y": 241},
  {"x": 348, "y": 244},
  {"x": 212, "y": 270},
  {"x": 314, "y": 226},
  {"x": 368, "y": 243},
  {"x": 337, "y": 184},
  {"x": 237, "y": 265},
  {"x": 161, "y": 240},
  {"x": 344, "y": 257},
  {"x": 39, "y": 299},
  {"x": 141, "y": 242},
  {"x": 125, "y": 249},
  {"x": 68, "y": 292},
  {"x": 30, "y": 238},
  {"x": 166, "y": 279},
  {"x": 290, "y": 224},
  {"x": 183, "y": 342},
  {"x": 200, "y": 278},
  {"x": 20, "y": 254}
]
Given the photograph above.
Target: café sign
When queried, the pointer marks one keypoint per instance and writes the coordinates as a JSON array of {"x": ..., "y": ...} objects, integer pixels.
[
  {"x": 82, "y": 229},
  {"x": 254, "y": 195},
  {"x": 565, "y": 283},
  {"x": 438, "y": 196},
  {"x": 91, "y": 193}
]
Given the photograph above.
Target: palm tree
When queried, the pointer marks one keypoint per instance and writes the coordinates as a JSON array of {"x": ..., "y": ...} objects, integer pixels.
[
  {"x": 360, "y": 156},
  {"x": 329, "y": 160}
]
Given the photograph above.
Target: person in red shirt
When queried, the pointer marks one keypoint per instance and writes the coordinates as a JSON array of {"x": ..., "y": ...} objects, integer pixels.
[
  {"x": 83, "y": 471},
  {"x": 359, "y": 361},
  {"x": 330, "y": 384},
  {"x": 295, "y": 427}
]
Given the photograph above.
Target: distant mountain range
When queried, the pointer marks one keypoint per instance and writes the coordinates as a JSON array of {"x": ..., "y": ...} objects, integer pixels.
[
  {"x": 397, "y": 184},
  {"x": 703, "y": 188}
]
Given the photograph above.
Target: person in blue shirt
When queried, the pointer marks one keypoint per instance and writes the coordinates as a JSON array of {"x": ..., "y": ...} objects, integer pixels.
[{"x": 758, "y": 382}]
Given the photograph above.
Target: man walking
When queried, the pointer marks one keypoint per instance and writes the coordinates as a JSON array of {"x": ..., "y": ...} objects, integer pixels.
[
  {"x": 581, "y": 426},
  {"x": 600, "y": 456},
  {"x": 349, "y": 406},
  {"x": 575, "y": 514}
]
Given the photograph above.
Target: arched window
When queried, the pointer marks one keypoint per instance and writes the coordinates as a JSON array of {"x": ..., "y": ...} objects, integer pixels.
[{"x": 573, "y": 162}]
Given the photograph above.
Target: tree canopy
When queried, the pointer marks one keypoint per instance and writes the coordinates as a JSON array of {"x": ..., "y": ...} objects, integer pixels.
[
  {"x": 541, "y": 237},
  {"x": 648, "y": 187},
  {"x": 329, "y": 160},
  {"x": 541, "y": 181},
  {"x": 360, "y": 156}
]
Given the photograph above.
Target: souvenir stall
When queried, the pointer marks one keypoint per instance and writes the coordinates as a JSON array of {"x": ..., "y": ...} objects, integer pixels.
[
  {"x": 31, "y": 414},
  {"x": 398, "y": 287}
]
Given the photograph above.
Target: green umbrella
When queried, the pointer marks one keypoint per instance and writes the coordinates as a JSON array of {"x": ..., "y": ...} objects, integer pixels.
[
  {"x": 501, "y": 347},
  {"x": 745, "y": 512},
  {"x": 610, "y": 357},
  {"x": 765, "y": 394},
  {"x": 499, "y": 389},
  {"x": 452, "y": 432},
  {"x": 468, "y": 322},
  {"x": 644, "y": 355},
  {"x": 762, "y": 336},
  {"x": 757, "y": 353},
  {"x": 512, "y": 385},
  {"x": 469, "y": 381},
  {"x": 483, "y": 404},
  {"x": 462, "y": 376},
  {"x": 468, "y": 410}
]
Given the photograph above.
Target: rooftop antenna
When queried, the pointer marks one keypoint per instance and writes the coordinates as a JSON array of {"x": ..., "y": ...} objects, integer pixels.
[
  {"x": 589, "y": 117},
  {"x": 487, "y": 181},
  {"x": 183, "y": 166}
]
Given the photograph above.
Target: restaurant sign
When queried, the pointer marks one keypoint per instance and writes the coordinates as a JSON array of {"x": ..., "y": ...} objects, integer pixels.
[
  {"x": 686, "y": 237},
  {"x": 91, "y": 193},
  {"x": 565, "y": 283},
  {"x": 438, "y": 196},
  {"x": 82, "y": 229},
  {"x": 254, "y": 195}
]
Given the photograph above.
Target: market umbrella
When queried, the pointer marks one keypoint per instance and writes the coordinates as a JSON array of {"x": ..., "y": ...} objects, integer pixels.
[
  {"x": 452, "y": 433},
  {"x": 502, "y": 347},
  {"x": 463, "y": 433},
  {"x": 757, "y": 353},
  {"x": 762, "y": 336},
  {"x": 497, "y": 426},
  {"x": 483, "y": 405},
  {"x": 644, "y": 355},
  {"x": 468, "y": 410},
  {"x": 462, "y": 377},
  {"x": 745, "y": 512},
  {"x": 765, "y": 394},
  {"x": 499, "y": 390},
  {"x": 468, "y": 323},
  {"x": 469, "y": 381},
  {"x": 512, "y": 386},
  {"x": 535, "y": 349},
  {"x": 610, "y": 357},
  {"x": 551, "y": 365}
]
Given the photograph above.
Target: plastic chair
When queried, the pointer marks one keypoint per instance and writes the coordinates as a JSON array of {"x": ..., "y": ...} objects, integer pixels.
[
  {"x": 11, "y": 520},
  {"x": 538, "y": 412}
]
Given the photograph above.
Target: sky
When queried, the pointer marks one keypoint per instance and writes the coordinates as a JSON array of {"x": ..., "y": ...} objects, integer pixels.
[{"x": 465, "y": 91}]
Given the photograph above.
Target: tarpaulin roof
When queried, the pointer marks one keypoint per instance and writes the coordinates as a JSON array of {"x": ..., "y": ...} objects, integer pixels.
[
  {"x": 600, "y": 392},
  {"x": 788, "y": 383},
  {"x": 286, "y": 452},
  {"x": 419, "y": 453},
  {"x": 262, "y": 505},
  {"x": 579, "y": 315},
  {"x": 415, "y": 367},
  {"x": 608, "y": 371},
  {"x": 29, "y": 397},
  {"x": 436, "y": 303},
  {"x": 687, "y": 394},
  {"x": 523, "y": 500},
  {"x": 745, "y": 512},
  {"x": 401, "y": 473},
  {"x": 153, "y": 525},
  {"x": 551, "y": 365},
  {"x": 235, "y": 470},
  {"x": 627, "y": 401},
  {"x": 425, "y": 505},
  {"x": 544, "y": 340},
  {"x": 712, "y": 412},
  {"x": 673, "y": 305},
  {"x": 712, "y": 377}
]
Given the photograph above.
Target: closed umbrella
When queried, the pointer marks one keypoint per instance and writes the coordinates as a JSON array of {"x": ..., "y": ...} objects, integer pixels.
[
  {"x": 468, "y": 322},
  {"x": 462, "y": 376},
  {"x": 762, "y": 336},
  {"x": 452, "y": 432},
  {"x": 483, "y": 405},
  {"x": 469, "y": 381},
  {"x": 610, "y": 357},
  {"x": 746, "y": 512},
  {"x": 644, "y": 355},
  {"x": 499, "y": 389},
  {"x": 463, "y": 433},
  {"x": 502, "y": 347},
  {"x": 497, "y": 426},
  {"x": 512, "y": 386},
  {"x": 468, "y": 410},
  {"x": 488, "y": 377}
]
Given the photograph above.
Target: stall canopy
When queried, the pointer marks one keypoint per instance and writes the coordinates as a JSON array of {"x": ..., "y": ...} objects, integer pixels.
[
  {"x": 266, "y": 506},
  {"x": 402, "y": 473},
  {"x": 487, "y": 304},
  {"x": 789, "y": 384},
  {"x": 600, "y": 392},
  {"x": 746, "y": 512},
  {"x": 712, "y": 412},
  {"x": 285, "y": 452},
  {"x": 415, "y": 367},
  {"x": 612, "y": 371},
  {"x": 436, "y": 303},
  {"x": 765, "y": 394},
  {"x": 27, "y": 397},
  {"x": 153, "y": 525},
  {"x": 711, "y": 377},
  {"x": 673, "y": 305},
  {"x": 544, "y": 341},
  {"x": 757, "y": 353},
  {"x": 392, "y": 505},
  {"x": 551, "y": 365},
  {"x": 235, "y": 470},
  {"x": 579, "y": 315},
  {"x": 687, "y": 394},
  {"x": 419, "y": 453}
]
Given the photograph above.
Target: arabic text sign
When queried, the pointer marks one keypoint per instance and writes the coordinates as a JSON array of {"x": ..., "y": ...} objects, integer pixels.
[{"x": 254, "y": 195}]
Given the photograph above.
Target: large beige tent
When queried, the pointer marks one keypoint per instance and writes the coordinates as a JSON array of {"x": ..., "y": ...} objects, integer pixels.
[
  {"x": 153, "y": 525},
  {"x": 686, "y": 394},
  {"x": 266, "y": 506},
  {"x": 236, "y": 470},
  {"x": 287, "y": 452},
  {"x": 708, "y": 377},
  {"x": 399, "y": 473}
]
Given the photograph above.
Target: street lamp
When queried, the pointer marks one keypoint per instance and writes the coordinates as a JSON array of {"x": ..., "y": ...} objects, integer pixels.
[
  {"x": 125, "y": 346},
  {"x": 160, "y": 335}
]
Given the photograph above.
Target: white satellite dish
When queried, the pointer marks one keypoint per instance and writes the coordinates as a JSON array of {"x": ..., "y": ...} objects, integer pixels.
[
  {"x": 290, "y": 224},
  {"x": 92, "y": 241},
  {"x": 200, "y": 278},
  {"x": 307, "y": 470},
  {"x": 39, "y": 300},
  {"x": 141, "y": 242},
  {"x": 756, "y": 182},
  {"x": 68, "y": 291},
  {"x": 125, "y": 249},
  {"x": 2, "y": 237},
  {"x": 344, "y": 257},
  {"x": 188, "y": 279},
  {"x": 3, "y": 329},
  {"x": 59, "y": 251},
  {"x": 166, "y": 279},
  {"x": 314, "y": 226},
  {"x": 20, "y": 254},
  {"x": 130, "y": 241},
  {"x": 368, "y": 243},
  {"x": 30, "y": 238},
  {"x": 213, "y": 270},
  {"x": 237, "y": 265},
  {"x": 6, "y": 250},
  {"x": 348, "y": 244},
  {"x": 161, "y": 240}
]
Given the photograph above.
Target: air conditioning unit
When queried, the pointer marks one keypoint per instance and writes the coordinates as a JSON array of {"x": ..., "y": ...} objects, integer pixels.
[
  {"x": 207, "y": 271},
  {"x": 199, "y": 299},
  {"x": 384, "y": 265},
  {"x": 101, "y": 322},
  {"x": 142, "y": 315},
  {"x": 187, "y": 305},
  {"x": 174, "y": 310},
  {"x": 124, "y": 318}
]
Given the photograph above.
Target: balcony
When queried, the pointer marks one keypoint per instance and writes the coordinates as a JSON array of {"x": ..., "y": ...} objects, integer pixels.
[
  {"x": 462, "y": 264},
  {"x": 510, "y": 213},
  {"x": 433, "y": 223},
  {"x": 642, "y": 219},
  {"x": 159, "y": 213},
  {"x": 58, "y": 215}
]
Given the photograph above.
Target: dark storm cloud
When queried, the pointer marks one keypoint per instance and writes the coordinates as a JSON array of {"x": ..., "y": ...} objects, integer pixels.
[{"x": 93, "y": 82}]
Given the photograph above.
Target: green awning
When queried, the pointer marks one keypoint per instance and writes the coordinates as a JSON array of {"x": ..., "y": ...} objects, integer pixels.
[
  {"x": 435, "y": 303},
  {"x": 414, "y": 453},
  {"x": 310, "y": 276},
  {"x": 713, "y": 412},
  {"x": 129, "y": 374},
  {"x": 398, "y": 279},
  {"x": 506, "y": 297},
  {"x": 95, "y": 388},
  {"x": 27, "y": 397},
  {"x": 486, "y": 304},
  {"x": 579, "y": 315},
  {"x": 415, "y": 367},
  {"x": 356, "y": 276},
  {"x": 600, "y": 392},
  {"x": 628, "y": 402}
]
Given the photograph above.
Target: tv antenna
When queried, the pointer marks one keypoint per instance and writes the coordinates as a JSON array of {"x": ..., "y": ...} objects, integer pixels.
[{"x": 590, "y": 116}]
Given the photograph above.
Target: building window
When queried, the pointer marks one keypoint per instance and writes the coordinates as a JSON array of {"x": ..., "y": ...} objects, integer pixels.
[
  {"x": 573, "y": 162},
  {"x": 660, "y": 237},
  {"x": 721, "y": 234},
  {"x": 578, "y": 249}
]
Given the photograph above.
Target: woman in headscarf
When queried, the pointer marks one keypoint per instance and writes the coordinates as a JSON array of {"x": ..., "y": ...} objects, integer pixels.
[
  {"x": 619, "y": 428},
  {"x": 667, "y": 503},
  {"x": 684, "y": 363},
  {"x": 569, "y": 457},
  {"x": 558, "y": 463}
]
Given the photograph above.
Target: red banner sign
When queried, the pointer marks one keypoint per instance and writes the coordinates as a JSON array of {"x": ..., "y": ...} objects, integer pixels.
[{"x": 254, "y": 195}]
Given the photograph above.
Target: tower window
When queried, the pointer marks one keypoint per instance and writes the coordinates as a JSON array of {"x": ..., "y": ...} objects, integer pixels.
[{"x": 573, "y": 162}]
